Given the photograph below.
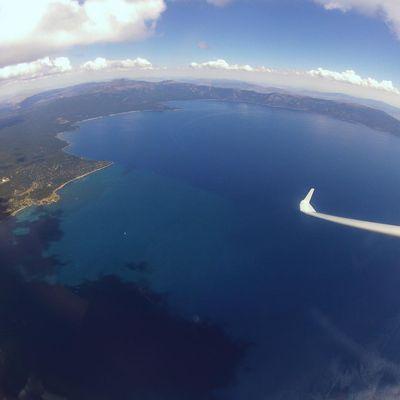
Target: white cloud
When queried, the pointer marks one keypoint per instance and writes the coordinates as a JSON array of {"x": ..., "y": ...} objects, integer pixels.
[
  {"x": 389, "y": 10},
  {"x": 219, "y": 3},
  {"x": 221, "y": 64},
  {"x": 30, "y": 29},
  {"x": 35, "y": 69},
  {"x": 348, "y": 76},
  {"x": 352, "y": 77},
  {"x": 101, "y": 63}
]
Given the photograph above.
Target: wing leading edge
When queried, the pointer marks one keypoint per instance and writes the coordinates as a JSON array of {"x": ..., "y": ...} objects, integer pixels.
[{"x": 385, "y": 229}]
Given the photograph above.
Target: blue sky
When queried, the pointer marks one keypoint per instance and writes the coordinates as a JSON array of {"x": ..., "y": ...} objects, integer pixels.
[{"x": 280, "y": 34}]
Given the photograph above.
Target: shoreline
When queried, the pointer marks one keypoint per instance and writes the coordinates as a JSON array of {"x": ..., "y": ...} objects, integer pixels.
[
  {"x": 76, "y": 125},
  {"x": 82, "y": 176},
  {"x": 108, "y": 115},
  {"x": 54, "y": 197},
  {"x": 125, "y": 112}
]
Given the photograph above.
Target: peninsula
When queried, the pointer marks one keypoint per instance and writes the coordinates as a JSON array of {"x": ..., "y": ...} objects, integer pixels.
[{"x": 33, "y": 165}]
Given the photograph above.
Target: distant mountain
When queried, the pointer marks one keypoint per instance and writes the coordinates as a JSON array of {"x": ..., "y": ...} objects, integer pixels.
[
  {"x": 380, "y": 105},
  {"x": 96, "y": 99},
  {"x": 31, "y": 156},
  {"x": 241, "y": 85}
]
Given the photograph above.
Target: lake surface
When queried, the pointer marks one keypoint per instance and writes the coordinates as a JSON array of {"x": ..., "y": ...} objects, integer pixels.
[{"x": 199, "y": 213}]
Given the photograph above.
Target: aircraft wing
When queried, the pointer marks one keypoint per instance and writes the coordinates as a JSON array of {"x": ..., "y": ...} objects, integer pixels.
[{"x": 385, "y": 229}]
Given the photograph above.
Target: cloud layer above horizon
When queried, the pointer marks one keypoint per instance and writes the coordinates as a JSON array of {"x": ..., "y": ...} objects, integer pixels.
[
  {"x": 48, "y": 66},
  {"x": 101, "y": 63},
  {"x": 221, "y": 64},
  {"x": 353, "y": 78},
  {"x": 348, "y": 76},
  {"x": 36, "y": 69},
  {"x": 60, "y": 65}
]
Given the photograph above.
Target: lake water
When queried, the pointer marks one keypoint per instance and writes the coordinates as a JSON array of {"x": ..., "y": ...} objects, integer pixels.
[{"x": 201, "y": 209}]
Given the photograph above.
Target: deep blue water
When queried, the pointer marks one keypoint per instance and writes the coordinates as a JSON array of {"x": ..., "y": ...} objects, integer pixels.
[{"x": 201, "y": 208}]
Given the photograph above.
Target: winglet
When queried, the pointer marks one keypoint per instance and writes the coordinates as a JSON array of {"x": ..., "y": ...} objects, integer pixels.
[{"x": 305, "y": 206}]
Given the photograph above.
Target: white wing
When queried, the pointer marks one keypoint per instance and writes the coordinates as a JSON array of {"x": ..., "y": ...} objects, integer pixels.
[{"x": 307, "y": 208}]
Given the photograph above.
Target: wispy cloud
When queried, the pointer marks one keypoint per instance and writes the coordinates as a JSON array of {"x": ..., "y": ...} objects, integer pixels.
[
  {"x": 31, "y": 29},
  {"x": 353, "y": 78},
  {"x": 36, "y": 69},
  {"x": 219, "y": 3},
  {"x": 101, "y": 63},
  {"x": 388, "y": 10},
  {"x": 203, "y": 45},
  {"x": 365, "y": 379}
]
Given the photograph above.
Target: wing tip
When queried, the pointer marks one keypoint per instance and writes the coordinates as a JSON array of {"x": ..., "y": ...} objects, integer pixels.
[{"x": 305, "y": 206}]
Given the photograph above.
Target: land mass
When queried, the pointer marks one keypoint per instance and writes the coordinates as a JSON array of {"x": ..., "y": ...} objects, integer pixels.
[{"x": 33, "y": 165}]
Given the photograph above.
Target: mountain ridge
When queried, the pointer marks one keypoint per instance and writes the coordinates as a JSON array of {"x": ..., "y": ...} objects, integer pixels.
[{"x": 32, "y": 159}]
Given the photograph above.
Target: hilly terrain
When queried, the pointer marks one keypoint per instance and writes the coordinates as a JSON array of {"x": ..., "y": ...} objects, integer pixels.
[{"x": 33, "y": 165}]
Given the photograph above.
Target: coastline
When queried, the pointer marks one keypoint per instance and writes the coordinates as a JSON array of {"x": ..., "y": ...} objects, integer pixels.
[
  {"x": 82, "y": 176},
  {"x": 108, "y": 115},
  {"x": 76, "y": 124},
  {"x": 125, "y": 112},
  {"x": 54, "y": 197}
]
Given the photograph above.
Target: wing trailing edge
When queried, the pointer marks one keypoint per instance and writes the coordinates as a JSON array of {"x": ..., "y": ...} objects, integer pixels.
[{"x": 385, "y": 229}]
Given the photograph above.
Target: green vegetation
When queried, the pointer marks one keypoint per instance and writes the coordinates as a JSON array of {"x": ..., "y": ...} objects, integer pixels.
[{"x": 33, "y": 164}]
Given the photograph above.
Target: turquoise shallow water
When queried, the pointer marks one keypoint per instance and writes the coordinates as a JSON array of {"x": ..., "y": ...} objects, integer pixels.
[
  {"x": 201, "y": 205},
  {"x": 141, "y": 216}
]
